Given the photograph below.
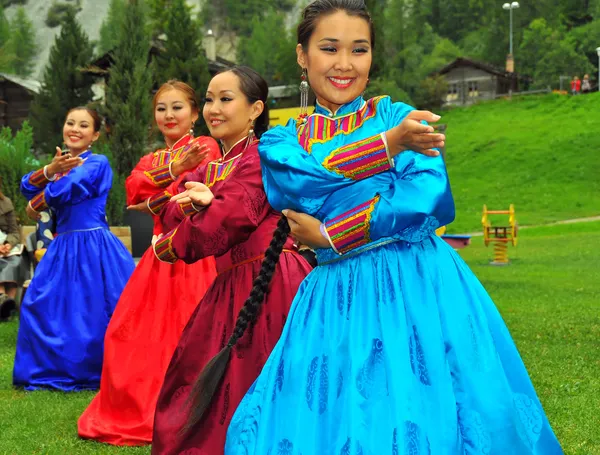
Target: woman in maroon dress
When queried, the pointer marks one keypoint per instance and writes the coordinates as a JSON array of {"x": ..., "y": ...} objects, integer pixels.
[{"x": 225, "y": 214}]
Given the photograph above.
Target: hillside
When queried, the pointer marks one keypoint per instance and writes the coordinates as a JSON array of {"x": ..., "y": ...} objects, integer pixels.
[
  {"x": 91, "y": 16},
  {"x": 540, "y": 153}
]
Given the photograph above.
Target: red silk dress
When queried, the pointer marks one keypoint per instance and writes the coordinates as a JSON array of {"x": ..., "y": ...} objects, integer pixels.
[
  {"x": 236, "y": 228},
  {"x": 149, "y": 317}
]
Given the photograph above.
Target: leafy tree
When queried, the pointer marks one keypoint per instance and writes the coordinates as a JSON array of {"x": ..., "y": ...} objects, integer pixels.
[
  {"x": 22, "y": 44},
  {"x": 548, "y": 53},
  {"x": 128, "y": 101},
  {"x": 64, "y": 86}
]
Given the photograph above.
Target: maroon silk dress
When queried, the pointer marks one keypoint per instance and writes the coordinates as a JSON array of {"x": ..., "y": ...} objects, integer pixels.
[{"x": 236, "y": 228}]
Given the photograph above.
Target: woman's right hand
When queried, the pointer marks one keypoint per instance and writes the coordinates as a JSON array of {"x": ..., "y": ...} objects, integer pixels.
[
  {"x": 195, "y": 192},
  {"x": 411, "y": 134},
  {"x": 191, "y": 160},
  {"x": 32, "y": 214},
  {"x": 62, "y": 163}
]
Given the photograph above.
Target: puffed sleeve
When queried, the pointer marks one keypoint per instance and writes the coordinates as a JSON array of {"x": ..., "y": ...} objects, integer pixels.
[
  {"x": 157, "y": 201},
  {"x": 417, "y": 202},
  {"x": 173, "y": 213},
  {"x": 90, "y": 180},
  {"x": 33, "y": 183},
  {"x": 295, "y": 179},
  {"x": 236, "y": 211},
  {"x": 137, "y": 185}
]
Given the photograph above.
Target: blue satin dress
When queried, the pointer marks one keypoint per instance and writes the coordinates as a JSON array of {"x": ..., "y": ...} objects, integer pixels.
[
  {"x": 392, "y": 346},
  {"x": 77, "y": 284}
]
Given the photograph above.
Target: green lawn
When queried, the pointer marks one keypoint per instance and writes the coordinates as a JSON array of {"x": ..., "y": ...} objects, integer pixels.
[
  {"x": 540, "y": 153},
  {"x": 549, "y": 297}
]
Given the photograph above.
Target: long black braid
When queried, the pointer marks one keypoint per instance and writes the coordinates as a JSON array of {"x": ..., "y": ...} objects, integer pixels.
[{"x": 211, "y": 376}]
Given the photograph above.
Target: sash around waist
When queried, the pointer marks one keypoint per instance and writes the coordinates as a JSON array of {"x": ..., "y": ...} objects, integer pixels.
[{"x": 225, "y": 263}]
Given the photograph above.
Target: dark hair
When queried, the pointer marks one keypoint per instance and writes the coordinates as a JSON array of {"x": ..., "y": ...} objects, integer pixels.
[
  {"x": 256, "y": 89},
  {"x": 319, "y": 8},
  {"x": 211, "y": 376},
  {"x": 93, "y": 113},
  {"x": 1, "y": 193}
]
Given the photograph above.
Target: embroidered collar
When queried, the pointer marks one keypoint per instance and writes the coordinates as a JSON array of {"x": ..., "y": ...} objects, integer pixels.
[
  {"x": 348, "y": 108},
  {"x": 237, "y": 149},
  {"x": 181, "y": 142}
]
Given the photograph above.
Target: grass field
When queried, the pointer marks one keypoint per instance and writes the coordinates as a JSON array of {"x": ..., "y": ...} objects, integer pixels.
[
  {"x": 541, "y": 153},
  {"x": 549, "y": 297}
]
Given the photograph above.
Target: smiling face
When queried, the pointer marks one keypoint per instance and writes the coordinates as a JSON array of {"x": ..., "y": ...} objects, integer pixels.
[
  {"x": 338, "y": 58},
  {"x": 78, "y": 131},
  {"x": 227, "y": 111},
  {"x": 174, "y": 115}
]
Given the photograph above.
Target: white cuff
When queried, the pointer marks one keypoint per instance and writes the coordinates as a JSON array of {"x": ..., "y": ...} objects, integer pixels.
[
  {"x": 171, "y": 172},
  {"x": 29, "y": 205},
  {"x": 46, "y": 175},
  {"x": 325, "y": 234},
  {"x": 387, "y": 149}
]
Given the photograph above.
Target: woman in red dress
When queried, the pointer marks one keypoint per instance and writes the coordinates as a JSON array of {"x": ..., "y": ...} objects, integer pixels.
[
  {"x": 159, "y": 297},
  {"x": 228, "y": 216}
]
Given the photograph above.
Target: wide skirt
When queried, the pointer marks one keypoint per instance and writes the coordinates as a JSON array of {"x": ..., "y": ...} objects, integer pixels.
[
  {"x": 398, "y": 350},
  {"x": 66, "y": 310}
]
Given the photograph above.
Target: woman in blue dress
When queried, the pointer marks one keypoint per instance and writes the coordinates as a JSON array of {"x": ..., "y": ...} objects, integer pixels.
[
  {"x": 80, "y": 278},
  {"x": 392, "y": 346}
]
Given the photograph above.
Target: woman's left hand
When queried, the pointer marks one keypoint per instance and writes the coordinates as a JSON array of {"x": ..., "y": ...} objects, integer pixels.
[
  {"x": 306, "y": 229},
  {"x": 140, "y": 207}
]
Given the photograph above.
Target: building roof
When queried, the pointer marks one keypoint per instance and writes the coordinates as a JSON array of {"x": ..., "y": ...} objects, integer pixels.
[
  {"x": 101, "y": 65},
  {"x": 30, "y": 85},
  {"x": 461, "y": 61}
]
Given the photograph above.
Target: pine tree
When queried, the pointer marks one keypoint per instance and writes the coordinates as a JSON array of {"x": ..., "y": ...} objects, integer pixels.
[
  {"x": 183, "y": 57},
  {"x": 376, "y": 8},
  {"x": 64, "y": 86},
  {"x": 270, "y": 49},
  {"x": 128, "y": 92},
  {"x": 111, "y": 26},
  {"x": 6, "y": 56},
  {"x": 157, "y": 19},
  {"x": 22, "y": 43}
]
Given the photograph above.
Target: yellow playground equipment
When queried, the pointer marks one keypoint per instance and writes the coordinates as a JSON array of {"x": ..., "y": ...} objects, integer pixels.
[{"x": 500, "y": 236}]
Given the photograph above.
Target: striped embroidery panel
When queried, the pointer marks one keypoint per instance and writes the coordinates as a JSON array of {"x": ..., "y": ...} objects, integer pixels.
[
  {"x": 319, "y": 129},
  {"x": 158, "y": 201},
  {"x": 163, "y": 248},
  {"x": 38, "y": 203},
  {"x": 350, "y": 230},
  {"x": 360, "y": 159},
  {"x": 216, "y": 171},
  {"x": 38, "y": 178},
  {"x": 165, "y": 156},
  {"x": 187, "y": 209},
  {"x": 161, "y": 158},
  {"x": 160, "y": 175}
]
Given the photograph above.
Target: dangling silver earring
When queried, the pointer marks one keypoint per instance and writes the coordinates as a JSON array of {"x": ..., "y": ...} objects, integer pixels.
[
  {"x": 250, "y": 137},
  {"x": 192, "y": 130},
  {"x": 304, "y": 87},
  {"x": 251, "y": 131}
]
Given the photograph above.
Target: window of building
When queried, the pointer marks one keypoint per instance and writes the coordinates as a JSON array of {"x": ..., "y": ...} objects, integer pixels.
[
  {"x": 473, "y": 87},
  {"x": 452, "y": 92}
]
